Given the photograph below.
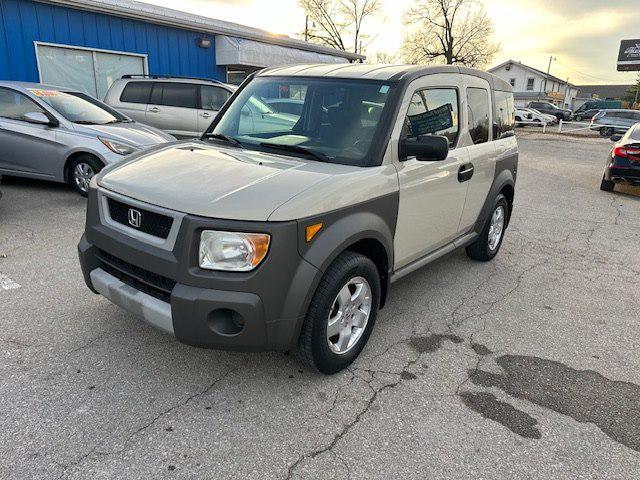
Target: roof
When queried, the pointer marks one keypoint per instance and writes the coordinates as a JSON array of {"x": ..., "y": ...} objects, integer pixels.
[
  {"x": 24, "y": 86},
  {"x": 167, "y": 16},
  {"x": 381, "y": 72},
  {"x": 527, "y": 67},
  {"x": 615, "y": 92}
]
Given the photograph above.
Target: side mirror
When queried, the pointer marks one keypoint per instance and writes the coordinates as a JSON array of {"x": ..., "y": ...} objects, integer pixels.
[
  {"x": 425, "y": 148},
  {"x": 38, "y": 118},
  {"x": 616, "y": 138}
]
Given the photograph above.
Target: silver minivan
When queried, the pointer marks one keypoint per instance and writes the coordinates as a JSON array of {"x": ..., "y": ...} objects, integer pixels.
[
  {"x": 184, "y": 107},
  {"x": 61, "y": 134}
]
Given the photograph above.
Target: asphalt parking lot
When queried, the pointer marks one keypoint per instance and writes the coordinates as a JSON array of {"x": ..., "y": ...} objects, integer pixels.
[{"x": 525, "y": 367}]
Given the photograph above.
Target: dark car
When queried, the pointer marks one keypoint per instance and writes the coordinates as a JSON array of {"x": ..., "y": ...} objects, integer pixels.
[
  {"x": 623, "y": 163},
  {"x": 585, "y": 114},
  {"x": 551, "y": 109}
]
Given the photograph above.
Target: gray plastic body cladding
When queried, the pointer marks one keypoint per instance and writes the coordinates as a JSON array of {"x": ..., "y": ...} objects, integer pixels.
[
  {"x": 273, "y": 297},
  {"x": 375, "y": 219},
  {"x": 505, "y": 175}
]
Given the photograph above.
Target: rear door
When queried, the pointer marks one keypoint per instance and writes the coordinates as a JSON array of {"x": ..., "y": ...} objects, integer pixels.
[
  {"x": 211, "y": 101},
  {"x": 26, "y": 147},
  {"x": 431, "y": 195},
  {"x": 173, "y": 107},
  {"x": 482, "y": 151}
]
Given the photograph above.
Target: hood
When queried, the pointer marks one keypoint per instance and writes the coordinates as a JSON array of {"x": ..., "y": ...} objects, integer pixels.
[
  {"x": 133, "y": 133},
  {"x": 217, "y": 182}
]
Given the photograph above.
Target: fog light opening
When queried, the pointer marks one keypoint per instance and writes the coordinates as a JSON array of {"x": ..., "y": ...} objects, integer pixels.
[{"x": 224, "y": 321}]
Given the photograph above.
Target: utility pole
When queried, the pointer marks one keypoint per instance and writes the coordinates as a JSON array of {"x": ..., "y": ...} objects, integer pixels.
[
  {"x": 306, "y": 28},
  {"x": 551, "y": 58},
  {"x": 637, "y": 91}
]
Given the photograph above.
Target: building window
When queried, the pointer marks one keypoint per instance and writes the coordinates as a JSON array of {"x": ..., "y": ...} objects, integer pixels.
[
  {"x": 529, "y": 84},
  {"x": 512, "y": 82},
  {"x": 90, "y": 71}
]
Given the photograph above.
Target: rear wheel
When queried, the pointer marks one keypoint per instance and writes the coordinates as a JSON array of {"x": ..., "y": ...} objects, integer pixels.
[
  {"x": 606, "y": 132},
  {"x": 341, "y": 315},
  {"x": 82, "y": 170},
  {"x": 606, "y": 185},
  {"x": 578, "y": 118},
  {"x": 488, "y": 243}
]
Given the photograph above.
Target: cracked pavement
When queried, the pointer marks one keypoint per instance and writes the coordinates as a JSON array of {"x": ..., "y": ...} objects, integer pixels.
[{"x": 524, "y": 367}]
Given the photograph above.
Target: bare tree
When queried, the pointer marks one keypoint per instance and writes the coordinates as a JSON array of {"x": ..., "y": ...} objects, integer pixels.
[
  {"x": 385, "y": 57},
  {"x": 338, "y": 23},
  {"x": 449, "y": 31}
]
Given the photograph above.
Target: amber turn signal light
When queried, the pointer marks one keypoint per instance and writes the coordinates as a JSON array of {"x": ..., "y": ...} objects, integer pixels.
[{"x": 311, "y": 231}]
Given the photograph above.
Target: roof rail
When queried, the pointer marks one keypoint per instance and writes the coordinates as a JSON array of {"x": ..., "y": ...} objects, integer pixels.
[{"x": 172, "y": 76}]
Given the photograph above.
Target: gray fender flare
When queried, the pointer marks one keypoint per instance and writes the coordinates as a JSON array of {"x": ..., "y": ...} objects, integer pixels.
[{"x": 505, "y": 178}]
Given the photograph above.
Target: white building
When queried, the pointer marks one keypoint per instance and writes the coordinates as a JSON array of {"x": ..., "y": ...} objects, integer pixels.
[{"x": 530, "y": 84}]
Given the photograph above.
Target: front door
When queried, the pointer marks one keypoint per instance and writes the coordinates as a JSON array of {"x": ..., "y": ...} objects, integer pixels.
[{"x": 432, "y": 194}]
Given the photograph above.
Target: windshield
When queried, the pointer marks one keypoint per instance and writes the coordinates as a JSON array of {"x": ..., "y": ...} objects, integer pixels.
[
  {"x": 78, "y": 107},
  {"x": 334, "y": 120}
]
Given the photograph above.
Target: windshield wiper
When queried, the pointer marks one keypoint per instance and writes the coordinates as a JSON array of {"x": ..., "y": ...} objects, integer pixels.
[
  {"x": 84, "y": 122},
  {"x": 226, "y": 138},
  {"x": 296, "y": 149}
]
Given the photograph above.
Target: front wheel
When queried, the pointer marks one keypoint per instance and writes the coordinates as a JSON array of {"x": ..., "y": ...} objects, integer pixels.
[
  {"x": 578, "y": 118},
  {"x": 82, "y": 171},
  {"x": 488, "y": 243},
  {"x": 342, "y": 314}
]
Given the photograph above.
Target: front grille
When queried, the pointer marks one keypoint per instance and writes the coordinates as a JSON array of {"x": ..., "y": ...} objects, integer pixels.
[
  {"x": 143, "y": 280},
  {"x": 151, "y": 223}
]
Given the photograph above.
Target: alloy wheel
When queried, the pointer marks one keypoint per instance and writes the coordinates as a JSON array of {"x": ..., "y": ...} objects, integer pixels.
[
  {"x": 496, "y": 228},
  {"x": 82, "y": 175},
  {"x": 349, "y": 315}
]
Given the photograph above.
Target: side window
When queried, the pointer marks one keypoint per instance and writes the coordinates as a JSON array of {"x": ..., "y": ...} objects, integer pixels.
[
  {"x": 503, "y": 114},
  {"x": 213, "y": 98},
  {"x": 478, "y": 111},
  {"x": 433, "y": 111},
  {"x": 15, "y": 105},
  {"x": 530, "y": 84},
  {"x": 136, "y": 92},
  {"x": 179, "y": 95}
]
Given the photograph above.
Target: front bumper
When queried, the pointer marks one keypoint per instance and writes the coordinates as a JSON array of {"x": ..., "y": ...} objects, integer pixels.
[{"x": 259, "y": 310}]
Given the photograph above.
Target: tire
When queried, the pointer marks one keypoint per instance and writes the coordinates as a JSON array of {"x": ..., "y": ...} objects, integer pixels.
[
  {"x": 315, "y": 348},
  {"x": 518, "y": 120},
  {"x": 606, "y": 132},
  {"x": 82, "y": 169},
  {"x": 578, "y": 118},
  {"x": 606, "y": 185},
  {"x": 486, "y": 247}
]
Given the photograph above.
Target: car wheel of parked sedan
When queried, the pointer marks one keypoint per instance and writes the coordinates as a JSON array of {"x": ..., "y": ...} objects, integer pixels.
[
  {"x": 606, "y": 132},
  {"x": 578, "y": 118},
  {"x": 606, "y": 185},
  {"x": 341, "y": 315},
  {"x": 488, "y": 243},
  {"x": 82, "y": 171}
]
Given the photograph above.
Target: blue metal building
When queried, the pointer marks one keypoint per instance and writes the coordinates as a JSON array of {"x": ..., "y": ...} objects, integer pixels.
[{"x": 87, "y": 44}]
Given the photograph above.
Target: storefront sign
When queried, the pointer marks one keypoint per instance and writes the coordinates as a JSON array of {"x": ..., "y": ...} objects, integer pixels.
[{"x": 629, "y": 56}]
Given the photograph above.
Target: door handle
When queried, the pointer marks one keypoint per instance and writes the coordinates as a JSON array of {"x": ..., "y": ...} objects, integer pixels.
[
  {"x": 465, "y": 172},
  {"x": 154, "y": 109},
  {"x": 205, "y": 115}
]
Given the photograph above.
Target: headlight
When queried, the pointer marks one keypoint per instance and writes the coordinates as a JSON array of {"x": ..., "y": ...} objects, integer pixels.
[
  {"x": 118, "y": 147},
  {"x": 232, "y": 251}
]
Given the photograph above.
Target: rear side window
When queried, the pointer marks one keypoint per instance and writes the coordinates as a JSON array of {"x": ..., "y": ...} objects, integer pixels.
[
  {"x": 15, "y": 105},
  {"x": 175, "y": 94},
  {"x": 478, "y": 111},
  {"x": 136, "y": 92},
  {"x": 213, "y": 98},
  {"x": 503, "y": 114},
  {"x": 433, "y": 111}
]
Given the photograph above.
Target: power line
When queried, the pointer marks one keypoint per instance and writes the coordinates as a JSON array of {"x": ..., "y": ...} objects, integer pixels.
[{"x": 585, "y": 74}]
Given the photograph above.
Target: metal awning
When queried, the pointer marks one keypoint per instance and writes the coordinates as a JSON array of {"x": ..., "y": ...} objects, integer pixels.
[{"x": 240, "y": 51}]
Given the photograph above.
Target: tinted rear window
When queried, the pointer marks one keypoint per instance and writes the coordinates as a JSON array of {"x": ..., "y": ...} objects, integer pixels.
[
  {"x": 179, "y": 95},
  {"x": 504, "y": 118},
  {"x": 478, "y": 111},
  {"x": 136, "y": 92}
]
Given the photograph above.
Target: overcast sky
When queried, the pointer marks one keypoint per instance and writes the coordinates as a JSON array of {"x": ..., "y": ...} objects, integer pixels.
[{"x": 584, "y": 35}]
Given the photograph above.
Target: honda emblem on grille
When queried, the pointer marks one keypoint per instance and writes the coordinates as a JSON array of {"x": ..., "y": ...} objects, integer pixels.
[{"x": 135, "y": 218}]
